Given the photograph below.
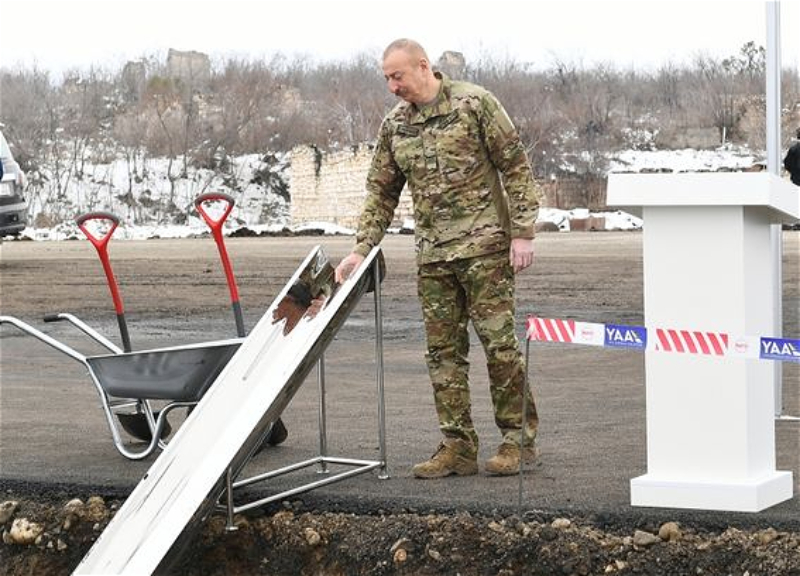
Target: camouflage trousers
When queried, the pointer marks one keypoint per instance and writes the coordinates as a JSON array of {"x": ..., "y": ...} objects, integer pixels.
[{"x": 479, "y": 289}]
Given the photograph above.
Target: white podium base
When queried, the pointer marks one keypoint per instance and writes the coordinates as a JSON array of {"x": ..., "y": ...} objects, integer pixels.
[{"x": 748, "y": 496}]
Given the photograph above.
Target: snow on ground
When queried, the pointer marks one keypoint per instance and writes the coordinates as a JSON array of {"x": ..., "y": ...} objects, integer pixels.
[
  {"x": 110, "y": 187},
  {"x": 687, "y": 160},
  {"x": 617, "y": 220},
  {"x": 194, "y": 227}
]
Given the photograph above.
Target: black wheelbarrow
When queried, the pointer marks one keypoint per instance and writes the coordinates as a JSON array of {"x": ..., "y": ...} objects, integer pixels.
[
  {"x": 179, "y": 375},
  {"x": 99, "y": 227}
]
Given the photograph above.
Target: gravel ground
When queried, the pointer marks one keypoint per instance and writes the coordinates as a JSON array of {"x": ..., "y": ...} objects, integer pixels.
[
  {"x": 580, "y": 523},
  {"x": 40, "y": 537}
]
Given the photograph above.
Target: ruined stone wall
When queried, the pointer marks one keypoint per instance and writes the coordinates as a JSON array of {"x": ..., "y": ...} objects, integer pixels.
[
  {"x": 190, "y": 67},
  {"x": 329, "y": 187},
  {"x": 568, "y": 192}
]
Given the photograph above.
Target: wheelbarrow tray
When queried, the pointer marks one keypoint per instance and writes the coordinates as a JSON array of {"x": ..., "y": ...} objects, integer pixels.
[{"x": 181, "y": 373}]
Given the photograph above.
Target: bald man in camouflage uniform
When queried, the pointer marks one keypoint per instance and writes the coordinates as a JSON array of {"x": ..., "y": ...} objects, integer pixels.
[{"x": 475, "y": 204}]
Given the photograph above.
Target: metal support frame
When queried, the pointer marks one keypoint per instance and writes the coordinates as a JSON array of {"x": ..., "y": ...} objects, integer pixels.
[
  {"x": 774, "y": 146},
  {"x": 357, "y": 466},
  {"x": 523, "y": 428}
]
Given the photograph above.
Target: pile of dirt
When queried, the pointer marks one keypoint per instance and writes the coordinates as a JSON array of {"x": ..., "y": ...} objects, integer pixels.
[{"x": 41, "y": 537}]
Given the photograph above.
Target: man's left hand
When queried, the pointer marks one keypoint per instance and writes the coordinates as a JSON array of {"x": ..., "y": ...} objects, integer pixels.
[{"x": 521, "y": 255}]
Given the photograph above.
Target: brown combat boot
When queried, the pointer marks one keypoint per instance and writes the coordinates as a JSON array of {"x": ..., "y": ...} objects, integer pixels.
[
  {"x": 451, "y": 457},
  {"x": 506, "y": 461}
]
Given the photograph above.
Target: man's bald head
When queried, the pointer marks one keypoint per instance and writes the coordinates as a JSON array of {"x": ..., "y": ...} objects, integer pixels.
[{"x": 410, "y": 47}]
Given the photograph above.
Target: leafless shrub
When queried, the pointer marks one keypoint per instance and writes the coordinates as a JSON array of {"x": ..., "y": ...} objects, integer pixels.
[{"x": 570, "y": 116}]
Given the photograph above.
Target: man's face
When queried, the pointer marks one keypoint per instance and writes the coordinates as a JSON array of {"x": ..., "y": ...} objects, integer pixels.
[{"x": 404, "y": 76}]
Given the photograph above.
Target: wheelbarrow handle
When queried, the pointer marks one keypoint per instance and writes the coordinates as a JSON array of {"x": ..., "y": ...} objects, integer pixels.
[
  {"x": 85, "y": 328},
  {"x": 61, "y": 347},
  {"x": 214, "y": 224}
]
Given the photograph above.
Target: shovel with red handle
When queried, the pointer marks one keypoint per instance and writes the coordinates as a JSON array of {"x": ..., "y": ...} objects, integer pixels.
[
  {"x": 136, "y": 423},
  {"x": 101, "y": 245},
  {"x": 277, "y": 432},
  {"x": 216, "y": 231}
]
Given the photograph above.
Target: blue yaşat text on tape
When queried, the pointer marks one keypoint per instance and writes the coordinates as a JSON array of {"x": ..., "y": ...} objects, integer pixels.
[
  {"x": 620, "y": 336},
  {"x": 784, "y": 349}
]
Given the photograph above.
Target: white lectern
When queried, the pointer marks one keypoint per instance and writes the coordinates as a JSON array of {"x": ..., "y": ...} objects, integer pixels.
[{"x": 708, "y": 267}]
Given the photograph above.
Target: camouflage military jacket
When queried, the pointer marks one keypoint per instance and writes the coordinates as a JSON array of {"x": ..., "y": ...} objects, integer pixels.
[{"x": 467, "y": 171}]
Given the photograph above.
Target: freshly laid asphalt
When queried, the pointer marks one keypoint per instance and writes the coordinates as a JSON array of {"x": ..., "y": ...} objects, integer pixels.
[{"x": 592, "y": 442}]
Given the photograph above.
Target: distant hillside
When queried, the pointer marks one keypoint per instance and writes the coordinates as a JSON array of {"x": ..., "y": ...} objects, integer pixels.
[{"x": 95, "y": 139}]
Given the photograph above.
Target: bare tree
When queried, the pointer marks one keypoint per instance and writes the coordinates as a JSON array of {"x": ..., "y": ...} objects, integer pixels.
[{"x": 570, "y": 116}]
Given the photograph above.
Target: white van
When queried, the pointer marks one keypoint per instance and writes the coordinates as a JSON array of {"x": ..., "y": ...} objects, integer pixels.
[{"x": 13, "y": 211}]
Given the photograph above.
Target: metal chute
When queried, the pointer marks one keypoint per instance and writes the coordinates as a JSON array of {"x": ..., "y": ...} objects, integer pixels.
[{"x": 185, "y": 483}]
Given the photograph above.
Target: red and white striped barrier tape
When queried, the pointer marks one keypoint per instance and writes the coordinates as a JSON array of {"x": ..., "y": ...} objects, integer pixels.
[
  {"x": 681, "y": 341},
  {"x": 694, "y": 342}
]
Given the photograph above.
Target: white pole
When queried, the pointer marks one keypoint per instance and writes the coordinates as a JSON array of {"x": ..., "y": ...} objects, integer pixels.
[
  {"x": 773, "y": 74},
  {"x": 774, "y": 145}
]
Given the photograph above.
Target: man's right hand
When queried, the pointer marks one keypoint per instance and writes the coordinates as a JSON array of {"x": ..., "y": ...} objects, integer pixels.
[{"x": 347, "y": 266}]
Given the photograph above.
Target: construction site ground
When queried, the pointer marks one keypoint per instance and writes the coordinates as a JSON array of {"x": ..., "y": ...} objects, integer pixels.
[{"x": 574, "y": 515}]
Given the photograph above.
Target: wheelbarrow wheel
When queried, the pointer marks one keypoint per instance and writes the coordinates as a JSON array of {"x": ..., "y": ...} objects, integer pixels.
[
  {"x": 136, "y": 425},
  {"x": 277, "y": 434}
]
